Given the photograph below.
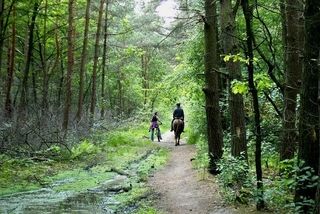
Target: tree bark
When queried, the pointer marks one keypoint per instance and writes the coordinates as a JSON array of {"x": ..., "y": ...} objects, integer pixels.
[
  {"x": 104, "y": 61},
  {"x": 292, "y": 78},
  {"x": 68, "y": 93},
  {"x": 83, "y": 61},
  {"x": 309, "y": 115},
  {"x": 144, "y": 69},
  {"x": 95, "y": 62},
  {"x": 11, "y": 63},
  {"x": 2, "y": 32},
  {"x": 45, "y": 82},
  {"x": 236, "y": 107},
  {"x": 24, "y": 88},
  {"x": 211, "y": 90},
  {"x": 247, "y": 11}
]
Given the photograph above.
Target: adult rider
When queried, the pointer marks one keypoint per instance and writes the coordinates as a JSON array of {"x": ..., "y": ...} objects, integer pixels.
[{"x": 178, "y": 114}]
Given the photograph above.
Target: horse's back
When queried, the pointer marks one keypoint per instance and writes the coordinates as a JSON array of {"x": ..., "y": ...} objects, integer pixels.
[{"x": 177, "y": 125}]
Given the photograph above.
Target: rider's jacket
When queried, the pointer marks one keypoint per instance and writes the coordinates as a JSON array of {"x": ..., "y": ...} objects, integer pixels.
[{"x": 178, "y": 113}]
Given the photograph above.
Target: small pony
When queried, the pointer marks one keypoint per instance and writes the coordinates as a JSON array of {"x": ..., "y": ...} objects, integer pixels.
[{"x": 177, "y": 128}]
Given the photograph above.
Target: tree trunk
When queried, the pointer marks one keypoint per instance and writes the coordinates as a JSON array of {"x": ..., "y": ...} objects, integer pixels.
[
  {"x": 120, "y": 94},
  {"x": 309, "y": 115},
  {"x": 292, "y": 78},
  {"x": 83, "y": 61},
  {"x": 11, "y": 63},
  {"x": 211, "y": 89},
  {"x": 24, "y": 88},
  {"x": 68, "y": 93},
  {"x": 104, "y": 61},
  {"x": 247, "y": 11},
  {"x": 34, "y": 87},
  {"x": 144, "y": 68},
  {"x": 95, "y": 61},
  {"x": 45, "y": 82},
  {"x": 230, "y": 46},
  {"x": 2, "y": 32}
]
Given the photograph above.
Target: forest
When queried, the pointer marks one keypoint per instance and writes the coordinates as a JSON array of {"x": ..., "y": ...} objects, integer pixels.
[{"x": 81, "y": 80}]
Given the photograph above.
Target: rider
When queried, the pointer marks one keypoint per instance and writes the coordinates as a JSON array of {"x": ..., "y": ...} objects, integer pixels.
[
  {"x": 155, "y": 122},
  {"x": 178, "y": 114}
]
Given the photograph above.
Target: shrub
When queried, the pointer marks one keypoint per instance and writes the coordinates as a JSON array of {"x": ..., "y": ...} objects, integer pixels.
[
  {"x": 235, "y": 179},
  {"x": 84, "y": 149}
]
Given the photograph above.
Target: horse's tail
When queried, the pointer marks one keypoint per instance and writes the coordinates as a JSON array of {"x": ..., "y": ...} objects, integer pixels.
[{"x": 177, "y": 126}]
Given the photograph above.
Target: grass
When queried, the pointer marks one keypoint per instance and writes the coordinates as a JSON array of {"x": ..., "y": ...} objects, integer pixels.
[{"x": 86, "y": 167}]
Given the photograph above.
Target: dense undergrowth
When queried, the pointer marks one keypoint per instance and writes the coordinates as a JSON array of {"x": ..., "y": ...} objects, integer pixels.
[{"x": 237, "y": 179}]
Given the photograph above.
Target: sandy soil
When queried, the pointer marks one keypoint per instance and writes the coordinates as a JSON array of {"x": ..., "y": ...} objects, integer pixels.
[{"x": 179, "y": 186}]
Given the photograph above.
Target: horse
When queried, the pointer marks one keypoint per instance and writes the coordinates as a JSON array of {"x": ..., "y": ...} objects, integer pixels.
[{"x": 177, "y": 128}]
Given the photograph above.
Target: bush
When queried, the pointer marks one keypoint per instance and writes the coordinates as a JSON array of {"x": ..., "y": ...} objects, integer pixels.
[
  {"x": 235, "y": 179},
  {"x": 84, "y": 149}
]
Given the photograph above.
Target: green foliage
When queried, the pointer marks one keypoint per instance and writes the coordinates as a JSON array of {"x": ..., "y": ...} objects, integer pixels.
[
  {"x": 237, "y": 58},
  {"x": 84, "y": 149},
  {"x": 279, "y": 190},
  {"x": 263, "y": 81},
  {"x": 145, "y": 209},
  {"x": 235, "y": 179},
  {"x": 306, "y": 179},
  {"x": 117, "y": 139},
  {"x": 201, "y": 161},
  {"x": 239, "y": 87}
]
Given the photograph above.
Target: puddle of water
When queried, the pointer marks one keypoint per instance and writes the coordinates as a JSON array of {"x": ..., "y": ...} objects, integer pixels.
[
  {"x": 98, "y": 200},
  {"x": 45, "y": 201}
]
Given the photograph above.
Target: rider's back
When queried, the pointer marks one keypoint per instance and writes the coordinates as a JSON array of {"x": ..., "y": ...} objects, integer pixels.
[{"x": 178, "y": 112}]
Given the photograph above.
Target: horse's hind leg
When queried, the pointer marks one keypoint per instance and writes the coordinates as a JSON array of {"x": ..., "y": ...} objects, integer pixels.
[{"x": 176, "y": 141}]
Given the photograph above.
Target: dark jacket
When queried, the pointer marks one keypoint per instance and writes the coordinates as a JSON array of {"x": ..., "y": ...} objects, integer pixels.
[{"x": 178, "y": 112}]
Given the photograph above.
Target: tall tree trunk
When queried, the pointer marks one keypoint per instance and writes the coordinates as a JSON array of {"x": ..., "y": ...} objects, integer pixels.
[
  {"x": 83, "y": 61},
  {"x": 247, "y": 11},
  {"x": 309, "y": 116},
  {"x": 211, "y": 89},
  {"x": 144, "y": 68},
  {"x": 95, "y": 61},
  {"x": 104, "y": 61},
  {"x": 68, "y": 93},
  {"x": 317, "y": 201},
  {"x": 11, "y": 62},
  {"x": 45, "y": 82},
  {"x": 292, "y": 78},
  {"x": 230, "y": 46},
  {"x": 24, "y": 88},
  {"x": 284, "y": 31},
  {"x": 4, "y": 22},
  {"x": 34, "y": 87},
  {"x": 61, "y": 70},
  {"x": 2, "y": 31},
  {"x": 120, "y": 94}
]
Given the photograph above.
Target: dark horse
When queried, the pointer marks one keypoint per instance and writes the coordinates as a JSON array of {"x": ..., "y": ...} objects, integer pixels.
[{"x": 177, "y": 128}]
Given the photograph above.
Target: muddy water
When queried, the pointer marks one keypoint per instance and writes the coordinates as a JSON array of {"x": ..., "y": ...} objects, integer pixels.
[{"x": 97, "y": 200}]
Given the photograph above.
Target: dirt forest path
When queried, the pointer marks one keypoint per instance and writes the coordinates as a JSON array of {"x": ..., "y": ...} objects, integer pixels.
[{"x": 179, "y": 187}]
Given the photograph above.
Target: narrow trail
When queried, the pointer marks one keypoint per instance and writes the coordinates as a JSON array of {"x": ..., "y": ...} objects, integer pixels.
[{"x": 179, "y": 187}]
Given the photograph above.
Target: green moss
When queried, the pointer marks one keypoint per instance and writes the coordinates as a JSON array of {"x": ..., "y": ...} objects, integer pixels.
[
  {"x": 86, "y": 167},
  {"x": 146, "y": 209}
]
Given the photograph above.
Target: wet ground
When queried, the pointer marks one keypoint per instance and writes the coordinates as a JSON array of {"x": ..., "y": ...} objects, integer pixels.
[
  {"x": 46, "y": 200},
  {"x": 177, "y": 189}
]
